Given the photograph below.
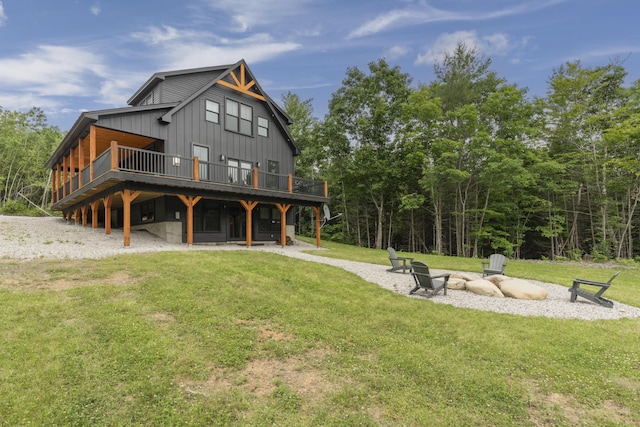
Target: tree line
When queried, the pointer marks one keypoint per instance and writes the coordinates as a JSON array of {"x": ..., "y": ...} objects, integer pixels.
[
  {"x": 26, "y": 142},
  {"x": 468, "y": 165}
]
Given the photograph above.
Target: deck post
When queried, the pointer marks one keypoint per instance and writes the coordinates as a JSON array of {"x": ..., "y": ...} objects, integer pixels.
[
  {"x": 283, "y": 222},
  {"x": 53, "y": 187},
  {"x": 196, "y": 168},
  {"x": 290, "y": 183},
  {"x": 84, "y": 210},
  {"x": 72, "y": 169},
  {"x": 326, "y": 189},
  {"x": 114, "y": 155},
  {"x": 106, "y": 201},
  {"x": 64, "y": 177},
  {"x": 92, "y": 150},
  {"x": 189, "y": 202},
  {"x": 128, "y": 196},
  {"x": 94, "y": 213},
  {"x": 316, "y": 211},
  {"x": 255, "y": 177},
  {"x": 248, "y": 207},
  {"x": 80, "y": 161}
]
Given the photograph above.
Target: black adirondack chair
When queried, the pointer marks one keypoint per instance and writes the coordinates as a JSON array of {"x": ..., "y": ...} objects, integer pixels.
[
  {"x": 495, "y": 265},
  {"x": 593, "y": 297},
  {"x": 424, "y": 280},
  {"x": 399, "y": 263}
]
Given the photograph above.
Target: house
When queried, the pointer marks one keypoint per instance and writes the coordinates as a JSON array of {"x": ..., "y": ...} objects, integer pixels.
[{"x": 199, "y": 155}]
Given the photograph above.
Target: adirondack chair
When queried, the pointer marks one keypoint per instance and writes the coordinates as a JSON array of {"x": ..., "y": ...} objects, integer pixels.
[
  {"x": 495, "y": 265},
  {"x": 594, "y": 297},
  {"x": 398, "y": 263},
  {"x": 430, "y": 283}
]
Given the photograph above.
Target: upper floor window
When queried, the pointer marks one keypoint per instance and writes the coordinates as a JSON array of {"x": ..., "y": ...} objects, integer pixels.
[
  {"x": 239, "y": 117},
  {"x": 212, "y": 113},
  {"x": 149, "y": 100},
  {"x": 263, "y": 126}
]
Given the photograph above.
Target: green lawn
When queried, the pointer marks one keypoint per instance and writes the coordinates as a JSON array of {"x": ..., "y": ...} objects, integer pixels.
[{"x": 252, "y": 338}]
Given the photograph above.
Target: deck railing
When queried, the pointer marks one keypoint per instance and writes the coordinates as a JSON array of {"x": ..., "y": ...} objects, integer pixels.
[{"x": 129, "y": 159}]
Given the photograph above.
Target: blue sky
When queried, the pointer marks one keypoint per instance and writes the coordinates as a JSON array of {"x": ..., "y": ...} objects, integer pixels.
[{"x": 69, "y": 56}]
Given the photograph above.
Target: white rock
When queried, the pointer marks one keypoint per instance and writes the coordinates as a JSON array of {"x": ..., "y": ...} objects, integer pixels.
[
  {"x": 522, "y": 289},
  {"x": 457, "y": 284},
  {"x": 484, "y": 287}
]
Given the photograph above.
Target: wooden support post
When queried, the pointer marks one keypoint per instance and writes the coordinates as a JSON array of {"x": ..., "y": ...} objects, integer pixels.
[
  {"x": 94, "y": 213},
  {"x": 283, "y": 222},
  {"x": 72, "y": 169},
  {"x": 106, "y": 201},
  {"x": 53, "y": 187},
  {"x": 189, "y": 202},
  {"x": 76, "y": 215},
  {"x": 64, "y": 177},
  {"x": 80, "y": 161},
  {"x": 114, "y": 155},
  {"x": 85, "y": 210},
  {"x": 316, "y": 211},
  {"x": 290, "y": 183},
  {"x": 60, "y": 183},
  {"x": 92, "y": 150},
  {"x": 248, "y": 207},
  {"x": 68, "y": 215},
  {"x": 196, "y": 168},
  {"x": 255, "y": 177},
  {"x": 326, "y": 189},
  {"x": 128, "y": 196}
]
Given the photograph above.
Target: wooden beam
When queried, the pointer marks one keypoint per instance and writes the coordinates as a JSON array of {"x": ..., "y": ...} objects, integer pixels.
[
  {"x": 84, "y": 210},
  {"x": 106, "y": 201},
  {"x": 189, "y": 202},
  {"x": 64, "y": 177},
  {"x": 128, "y": 196},
  {"x": 93, "y": 139},
  {"x": 114, "y": 155},
  {"x": 53, "y": 186},
  {"x": 316, "y": 211},
  {"x": 94, "y": 213},
  {"x": 290, "y": 183},
  {"x": 248, "y": 207},
  {"x": 283, "y": 222},
  {"x": 76, "y": 215},
  {"x": 72, "y": 169},
  {"x": 80, "y": 161},
  {"x": 196, "y": 168},
  {"x": 255, "y": 177},
  {"x": 326, "y": 189}
]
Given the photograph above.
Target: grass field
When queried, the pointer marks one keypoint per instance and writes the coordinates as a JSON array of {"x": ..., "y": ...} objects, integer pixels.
[{"x": 253, "y": 338}]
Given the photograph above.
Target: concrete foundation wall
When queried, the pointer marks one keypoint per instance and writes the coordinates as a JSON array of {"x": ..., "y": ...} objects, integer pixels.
[{"x": 171, "y": 231}]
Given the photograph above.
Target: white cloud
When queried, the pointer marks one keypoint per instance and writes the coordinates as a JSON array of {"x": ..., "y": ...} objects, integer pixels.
[
  {"x": 188, "y": 49},
  {"x": 426, "y": 14},
  {"x": 250, "y": 14},
  {"x": 396, "y": 52},
  {"x": 3, "y": 16},
  {"x": 494, "y": 44},
  {"x": 51, "y": 71},
  {"x": 95, "y": 10}
]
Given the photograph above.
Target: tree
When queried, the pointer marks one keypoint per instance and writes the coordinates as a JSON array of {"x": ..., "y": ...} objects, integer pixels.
[{"x": 367, "y": 109}]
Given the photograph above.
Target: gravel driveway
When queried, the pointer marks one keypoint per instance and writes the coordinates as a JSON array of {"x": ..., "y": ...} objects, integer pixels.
[{"x": 52, "y": 237}]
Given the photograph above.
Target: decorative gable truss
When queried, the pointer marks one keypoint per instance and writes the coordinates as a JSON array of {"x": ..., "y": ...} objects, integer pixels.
[{"x": 243, "y": 83}]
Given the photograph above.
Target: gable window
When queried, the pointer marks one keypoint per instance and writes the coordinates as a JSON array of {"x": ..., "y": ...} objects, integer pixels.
[
  {"x": 212, "y": 113},
  {"x": 263, "y": 126},
  {"x": 239, "y": 117},
  {"x": 149, "y": 100}
]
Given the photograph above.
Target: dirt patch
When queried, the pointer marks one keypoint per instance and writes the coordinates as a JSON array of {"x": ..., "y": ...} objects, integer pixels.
[
  {"x": 56, "y": 276},
  {"x": 550, "y": 409}
]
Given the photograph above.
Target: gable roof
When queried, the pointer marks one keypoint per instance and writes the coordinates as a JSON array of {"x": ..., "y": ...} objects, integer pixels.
[{"x": 244, "y": 82}]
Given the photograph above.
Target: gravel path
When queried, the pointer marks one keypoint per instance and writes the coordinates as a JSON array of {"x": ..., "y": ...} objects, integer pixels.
[{"x": 46, "y": 238}]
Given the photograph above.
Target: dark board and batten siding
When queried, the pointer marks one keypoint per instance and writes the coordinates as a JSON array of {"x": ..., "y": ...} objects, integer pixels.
[
  {"x": 188, "y": 126},
  {"x": 142, "y": 123},
  {"x": 179, "y": 88}
]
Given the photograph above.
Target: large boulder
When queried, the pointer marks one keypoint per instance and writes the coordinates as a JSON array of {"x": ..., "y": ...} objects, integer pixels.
[
  {"x": 496, "y": 279},
  {"x": 484, "y": 287},
  {"x": 464, "y": 276},
  {"x": 457, "y": 284},
  {"x": 522, "y": 289}
]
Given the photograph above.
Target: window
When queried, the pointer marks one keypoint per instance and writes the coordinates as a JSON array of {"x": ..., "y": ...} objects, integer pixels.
[
  {"x": 148, "y": 100},
  {"x": 239, "y": 172},
  {"x": 212, "y": 113},
  {"x": 273, "y": 168},
  {"x": 147, "y": 211},
  {"x": 206, "y": 217},
  {"x": 239, "y": 117},
  {"x": 263, "y": 127},
  {"x": 202, "y": 153}
]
